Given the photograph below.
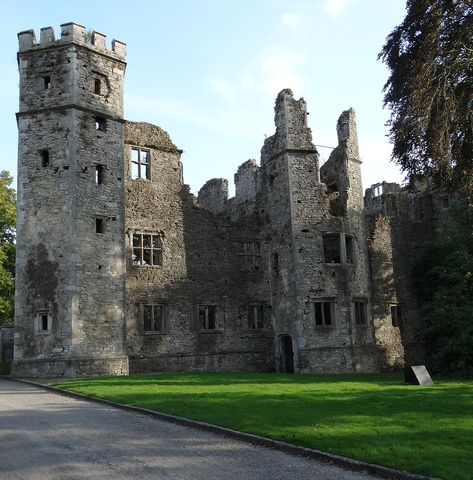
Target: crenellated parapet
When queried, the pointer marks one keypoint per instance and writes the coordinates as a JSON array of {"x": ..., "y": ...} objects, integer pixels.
[{"x": 70, "y": 33}]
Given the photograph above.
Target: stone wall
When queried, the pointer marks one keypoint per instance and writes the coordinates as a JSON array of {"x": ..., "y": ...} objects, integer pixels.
[{"x": 70, "y": 215}]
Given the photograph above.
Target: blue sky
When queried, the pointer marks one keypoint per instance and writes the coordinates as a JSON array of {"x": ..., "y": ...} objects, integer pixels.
[{"x": 208, "y": 71}]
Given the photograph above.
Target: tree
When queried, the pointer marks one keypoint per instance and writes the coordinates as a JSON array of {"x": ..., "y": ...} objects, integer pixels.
[
  {"x": 7, "y": 247},
  {"x": 430, "y": 91},
  {"x": 443, "y": 276}
]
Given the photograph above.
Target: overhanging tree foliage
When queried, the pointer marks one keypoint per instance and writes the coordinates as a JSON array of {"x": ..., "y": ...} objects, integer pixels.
[
  {"x": 443, "y": 276},
  {"x": 7, "y": 247},
  {"x": 430, "y": 91}
]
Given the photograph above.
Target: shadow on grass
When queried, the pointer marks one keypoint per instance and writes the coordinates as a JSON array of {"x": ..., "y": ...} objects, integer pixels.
[{"x": 424, "y": 430}]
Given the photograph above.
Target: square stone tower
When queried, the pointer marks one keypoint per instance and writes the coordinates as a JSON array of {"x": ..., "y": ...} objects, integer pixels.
[{"x": 69, "y": 311}]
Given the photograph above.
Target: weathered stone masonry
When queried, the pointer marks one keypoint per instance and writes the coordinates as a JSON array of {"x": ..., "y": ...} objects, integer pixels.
[{"x": 120, "y": 268}]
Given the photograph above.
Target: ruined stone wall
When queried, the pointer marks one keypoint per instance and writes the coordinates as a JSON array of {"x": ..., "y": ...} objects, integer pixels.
[
  {"x": 202, "y": 265},
  {"x": 400, "y": 221}
]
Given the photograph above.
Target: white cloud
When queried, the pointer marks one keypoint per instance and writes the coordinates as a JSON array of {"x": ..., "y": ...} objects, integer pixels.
[
  {"x": 337, "y": 7},
  {"x": 280, "y": 69},
  {"x": 290, "y": 20},
  {"x": 223, "y": 88}
]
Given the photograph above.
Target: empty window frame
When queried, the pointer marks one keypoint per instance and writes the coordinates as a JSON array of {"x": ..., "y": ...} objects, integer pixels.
[
  {"x": 207, "y": 317},
  {"x": 44, "y": 158},
  {"x": 378, "y": 190},
  {"x": 324, "y": 313},
  {"x": 332, "y": 252},
  {"x": 396, "y": 315},
  {"x": 97, "y": 86},
  {"x": 46, "y": 82},
  {"x": 152, "y": 317},
  {"x": 147, "y": 249},
  {"x": 99, "y": 174},
  {"x": 43, "y": 322},
  {"x": 140, "y": 163},
  {"x": 360, "y": 312},
  {"x": 99, "y": 225},
  {"x": 255, "y": 316},
  {"x": 100, "y": 124},
  {"x": 249, "y": 255}
]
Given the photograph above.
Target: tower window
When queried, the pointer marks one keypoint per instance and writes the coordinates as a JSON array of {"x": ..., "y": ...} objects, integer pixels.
[
  {"x": 97, "y": 86},
  {"x": 396, "y": 315},
  {"x": 100, "y": 124},
  {"x": 47, "y": 82},
  {"x": 99, "y": 174},
  {"x": 44, "y": 156},
  {"x": 140, "y": 164},
  {"x": 43, "y": 322},
  {"x": 99, "y": 225},
  {"x": 332, "y": 248},
  {"x": 349, "y": 244}
]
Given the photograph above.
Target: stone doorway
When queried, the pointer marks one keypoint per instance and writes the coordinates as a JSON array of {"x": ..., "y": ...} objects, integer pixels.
[{"x": 287, "y": 354}]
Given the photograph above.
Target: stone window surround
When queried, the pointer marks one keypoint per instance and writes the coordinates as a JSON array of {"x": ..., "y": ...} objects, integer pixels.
[
  {"x": 346, "y": 248},
  {"x": 150, "y": 251},
  {"x": 249, "y": 255},
  {"x": 154, "y": 308},
  {"x": 360, "y": 305},
  {"x": 207, "y": 317},
  {"x": 41, "y": 317},
  {"x": 142, "y": 160},
  {"x": 321, "y": 312},
  {"x": 256, "y": 316}
]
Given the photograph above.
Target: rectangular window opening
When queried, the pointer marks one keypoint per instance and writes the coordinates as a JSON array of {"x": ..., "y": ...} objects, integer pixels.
[
  {"x": 323, "y": 312},
  {"x": 207, "y": 317},
  {"x": 44, "y": 156},
  {"x": 255, "y": 316},
  {"x": 360, "y": 312},
  {"x": 396, "y": 315},
  {"x": 147, "y": 249},
  {"x": 99, "y": 174},
  {"x": 153, "y": 318},
  {"x": 331, "y": 242},
  {"x": 99, "y": 225},
  {"x": 249, "y": 254},
  {"x": 47, "y": 82},
  {"x": 97, "y": 86},
  {"x": 140, "y": 164},
  {"x": 43, "y": 324}
]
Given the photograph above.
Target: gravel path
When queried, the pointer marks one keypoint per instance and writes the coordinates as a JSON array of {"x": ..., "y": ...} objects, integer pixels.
[{"x": 48, "y": 436}]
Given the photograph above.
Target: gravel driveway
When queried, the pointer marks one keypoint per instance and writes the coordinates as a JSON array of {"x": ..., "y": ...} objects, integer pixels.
[{"x": 48, "y": 436}]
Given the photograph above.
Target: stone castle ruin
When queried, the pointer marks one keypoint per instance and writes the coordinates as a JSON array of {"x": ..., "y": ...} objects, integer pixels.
[{"x": 121, "y": 269}]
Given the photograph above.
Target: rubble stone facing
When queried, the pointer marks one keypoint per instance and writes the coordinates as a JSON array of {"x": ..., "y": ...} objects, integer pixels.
[{"x": 257, "y": 263}]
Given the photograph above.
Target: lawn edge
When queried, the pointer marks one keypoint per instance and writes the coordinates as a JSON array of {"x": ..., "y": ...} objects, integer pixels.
[{"x": 319, "y": 455}]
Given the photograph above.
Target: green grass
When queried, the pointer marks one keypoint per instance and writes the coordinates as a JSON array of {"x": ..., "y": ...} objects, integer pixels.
[{"x": 375, "y": 418}]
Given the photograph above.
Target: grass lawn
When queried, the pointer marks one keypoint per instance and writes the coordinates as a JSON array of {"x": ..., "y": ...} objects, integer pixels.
[{"x": 370, "y": 417}]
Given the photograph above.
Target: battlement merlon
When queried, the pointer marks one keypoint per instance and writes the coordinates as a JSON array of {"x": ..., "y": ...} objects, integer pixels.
[{"x": 71, "y": 33}]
